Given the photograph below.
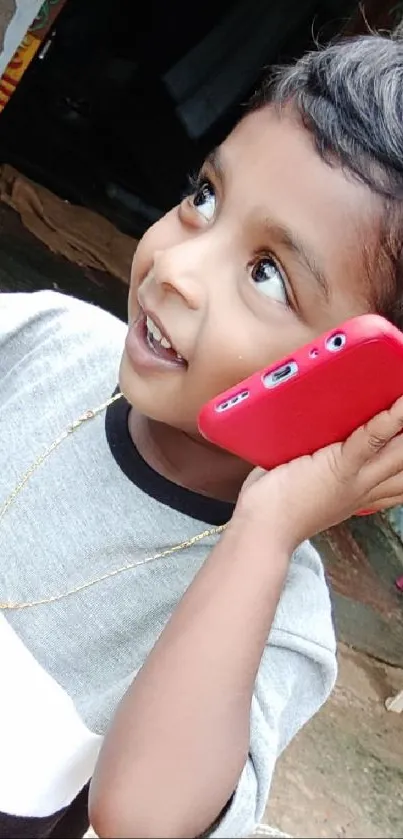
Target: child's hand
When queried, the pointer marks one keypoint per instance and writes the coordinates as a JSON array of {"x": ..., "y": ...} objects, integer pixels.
[{"x": 312, "y": 493}]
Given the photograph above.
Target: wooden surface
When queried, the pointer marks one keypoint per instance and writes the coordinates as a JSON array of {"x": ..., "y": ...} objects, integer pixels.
[{"x": 27, "y": 265}]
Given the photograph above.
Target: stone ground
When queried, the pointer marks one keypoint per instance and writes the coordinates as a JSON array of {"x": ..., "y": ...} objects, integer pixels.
[{"x": 343, "y": 775}]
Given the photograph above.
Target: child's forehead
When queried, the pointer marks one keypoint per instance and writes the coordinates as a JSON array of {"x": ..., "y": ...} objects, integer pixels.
[
  {"x": 275, "y": 144},
  {"x": 269, "y": 164}
]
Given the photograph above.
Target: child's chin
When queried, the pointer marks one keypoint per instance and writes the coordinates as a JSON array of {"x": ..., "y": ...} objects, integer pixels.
[{"x": 149, "y": 398}]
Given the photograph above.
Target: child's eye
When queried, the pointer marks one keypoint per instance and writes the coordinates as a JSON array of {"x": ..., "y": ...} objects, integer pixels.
[
  {"x": 204, "y": 199},
  {"x": 268, "y": 277}
]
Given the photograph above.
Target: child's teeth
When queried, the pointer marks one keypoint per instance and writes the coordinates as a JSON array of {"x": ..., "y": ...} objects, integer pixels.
[
  {"x": 153, "y": 329},
  {"x": 156, "y": 334}
]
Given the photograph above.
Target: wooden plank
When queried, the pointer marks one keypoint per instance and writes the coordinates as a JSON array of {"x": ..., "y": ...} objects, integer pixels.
[{"x": 27, "y": 265}]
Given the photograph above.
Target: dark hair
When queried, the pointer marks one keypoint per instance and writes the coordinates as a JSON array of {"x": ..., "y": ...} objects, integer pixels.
[{"x": 349, "y": 96}]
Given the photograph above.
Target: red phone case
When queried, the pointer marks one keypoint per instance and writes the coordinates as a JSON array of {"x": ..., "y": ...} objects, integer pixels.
[{"x": 314, "y": 397}]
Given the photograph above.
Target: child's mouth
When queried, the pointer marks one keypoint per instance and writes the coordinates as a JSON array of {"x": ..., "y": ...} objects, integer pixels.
[{"x": 149, "y": 348}]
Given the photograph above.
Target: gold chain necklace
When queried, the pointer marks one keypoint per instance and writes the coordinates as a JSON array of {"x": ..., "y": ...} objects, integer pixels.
[{"x": 74, "y": 426}]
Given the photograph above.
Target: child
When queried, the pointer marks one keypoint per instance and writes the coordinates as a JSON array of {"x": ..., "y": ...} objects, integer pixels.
[{"x": 125, "y": 609}]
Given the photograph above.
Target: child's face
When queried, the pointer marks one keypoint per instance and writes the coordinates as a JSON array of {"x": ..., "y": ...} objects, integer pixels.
[{"x": 267, "y": 253}]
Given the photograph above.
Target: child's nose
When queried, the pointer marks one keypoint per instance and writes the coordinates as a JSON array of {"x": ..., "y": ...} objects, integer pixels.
[{"x": 174, "y": 271}]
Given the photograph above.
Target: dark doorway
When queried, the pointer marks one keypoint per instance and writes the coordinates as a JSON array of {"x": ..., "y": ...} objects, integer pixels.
[{"x": 124, "y": 100}]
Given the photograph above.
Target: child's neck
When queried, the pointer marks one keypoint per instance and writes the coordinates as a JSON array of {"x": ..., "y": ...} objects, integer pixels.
[{"x": 187, "y": 461}]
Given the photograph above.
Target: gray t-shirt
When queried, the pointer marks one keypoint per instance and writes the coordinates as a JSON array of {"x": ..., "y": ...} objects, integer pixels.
[{"x": 92, "y": 507}]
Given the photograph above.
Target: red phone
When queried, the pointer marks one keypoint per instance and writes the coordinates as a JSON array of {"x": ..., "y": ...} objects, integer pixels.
[{"x": 316, "y": 396}]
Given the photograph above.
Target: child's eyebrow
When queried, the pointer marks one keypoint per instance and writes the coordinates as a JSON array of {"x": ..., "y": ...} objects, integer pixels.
[
  {"x": 290, "y": 241},
  {"x": 214, "y": 162},
  {"x": 285, "y": 237}
]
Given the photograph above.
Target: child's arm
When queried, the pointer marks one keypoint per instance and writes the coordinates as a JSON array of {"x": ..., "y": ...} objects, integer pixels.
[{"x": 180, "y": 738}]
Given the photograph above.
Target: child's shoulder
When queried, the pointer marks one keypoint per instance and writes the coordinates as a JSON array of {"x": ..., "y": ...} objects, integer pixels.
[
  {"x": 304, "y": 615},
  {"x": 32, "y": 303},
  {"x": 298, "y": 667},
  {"x": 46, "y": 309},
  {"x": 49, "y": 340},
  {"x": 47, "y": 321}
]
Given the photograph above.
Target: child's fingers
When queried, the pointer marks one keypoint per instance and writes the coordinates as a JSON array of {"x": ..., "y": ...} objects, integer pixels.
[
  {"x": 389, "y": 489},
  {"x": 369, "y": 440},
  {"x": 387, "y": 463},
  {"x": 384, "y": 503}
]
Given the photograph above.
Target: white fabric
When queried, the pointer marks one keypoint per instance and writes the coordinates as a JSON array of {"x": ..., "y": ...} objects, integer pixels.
[{"x": 47, "y": 753}]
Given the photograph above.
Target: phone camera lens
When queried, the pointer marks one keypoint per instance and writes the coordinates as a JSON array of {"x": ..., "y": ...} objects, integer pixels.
[{"x": 336, "y": 342}]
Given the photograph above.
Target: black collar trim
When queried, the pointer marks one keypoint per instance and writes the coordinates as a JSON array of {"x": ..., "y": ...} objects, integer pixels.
[{"x": 135, "y": 468}]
